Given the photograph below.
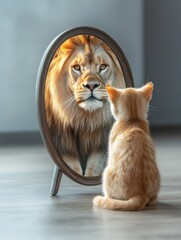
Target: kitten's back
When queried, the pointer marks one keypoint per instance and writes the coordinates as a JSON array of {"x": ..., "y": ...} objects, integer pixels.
[{"x": 131, "y": 179}]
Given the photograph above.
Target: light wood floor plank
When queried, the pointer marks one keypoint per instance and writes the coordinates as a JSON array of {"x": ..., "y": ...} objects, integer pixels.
[{"x": 27, "y": 212}]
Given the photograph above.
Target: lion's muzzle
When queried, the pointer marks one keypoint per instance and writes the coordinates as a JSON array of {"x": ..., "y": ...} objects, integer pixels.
[{"x": 91, "y": 93}]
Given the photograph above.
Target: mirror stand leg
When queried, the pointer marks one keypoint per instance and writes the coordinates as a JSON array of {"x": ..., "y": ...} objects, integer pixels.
[{"x": 57, "y": 175}]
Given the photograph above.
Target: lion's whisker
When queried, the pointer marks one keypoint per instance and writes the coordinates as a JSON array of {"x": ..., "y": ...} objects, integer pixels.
[
  {"x": 80, "y": 94},
  {"x": 108, "y": 116},
  {"x": 69, "y": 101}
]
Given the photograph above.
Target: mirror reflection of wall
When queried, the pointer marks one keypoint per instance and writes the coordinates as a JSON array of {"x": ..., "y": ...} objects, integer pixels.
[
  {"x": 27, "y": 29},
  {"x": 77, "y": 107}
]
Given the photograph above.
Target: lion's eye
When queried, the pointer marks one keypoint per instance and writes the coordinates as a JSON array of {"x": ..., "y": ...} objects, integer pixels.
[
  {"x": 76, "y": 67},
  {"x": 102, "y": 67}
]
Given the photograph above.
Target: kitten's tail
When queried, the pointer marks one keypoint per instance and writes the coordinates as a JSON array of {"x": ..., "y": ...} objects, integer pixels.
[{"x": 133, "y": 204}]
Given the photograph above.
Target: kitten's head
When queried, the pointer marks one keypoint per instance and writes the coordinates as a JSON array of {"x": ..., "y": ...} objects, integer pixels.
[{"x": 130, "y": 103}]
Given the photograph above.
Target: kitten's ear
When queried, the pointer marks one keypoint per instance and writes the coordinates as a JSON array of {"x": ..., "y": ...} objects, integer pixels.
[
  {"x": 113, "y": 93},
  {"x": 147, "y": 90}
]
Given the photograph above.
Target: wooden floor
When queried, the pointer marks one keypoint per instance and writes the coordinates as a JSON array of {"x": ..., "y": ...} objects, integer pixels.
[{"x": 27, "y": 212}]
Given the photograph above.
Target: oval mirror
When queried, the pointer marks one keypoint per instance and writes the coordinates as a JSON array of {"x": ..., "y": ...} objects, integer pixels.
[{"x": 73, "y": 108}]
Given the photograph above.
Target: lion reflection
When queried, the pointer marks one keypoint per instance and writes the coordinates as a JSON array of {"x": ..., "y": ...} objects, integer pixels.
[{"x": 77, "y": 108}]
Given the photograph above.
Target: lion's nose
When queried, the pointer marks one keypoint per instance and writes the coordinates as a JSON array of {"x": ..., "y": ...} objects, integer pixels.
[{"x": 91, "y": 86}]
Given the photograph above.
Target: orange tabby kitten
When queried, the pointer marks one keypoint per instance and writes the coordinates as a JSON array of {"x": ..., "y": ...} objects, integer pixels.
[{"x": 131, "y": 179}]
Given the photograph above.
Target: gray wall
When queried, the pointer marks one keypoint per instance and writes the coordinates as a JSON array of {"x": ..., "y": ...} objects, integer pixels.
[
  {"x": 27, "y": 27},
  {"x": 163, "y": 59}
]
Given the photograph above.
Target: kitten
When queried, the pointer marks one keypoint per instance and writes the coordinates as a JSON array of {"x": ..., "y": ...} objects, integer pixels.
[{"x": 131, "y": 179}]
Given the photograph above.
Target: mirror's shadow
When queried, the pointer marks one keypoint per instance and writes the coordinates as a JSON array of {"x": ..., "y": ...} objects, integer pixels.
[{"x": 76, "y": 103}]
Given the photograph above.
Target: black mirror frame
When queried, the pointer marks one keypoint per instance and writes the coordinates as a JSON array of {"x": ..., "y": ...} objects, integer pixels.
[{"x": 40, "y": 90}]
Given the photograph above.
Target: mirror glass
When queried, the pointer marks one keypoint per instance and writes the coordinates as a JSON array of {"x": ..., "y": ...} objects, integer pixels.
[
  {"x": 72, "y": 104},
  {"x": 76, "y": 103}
]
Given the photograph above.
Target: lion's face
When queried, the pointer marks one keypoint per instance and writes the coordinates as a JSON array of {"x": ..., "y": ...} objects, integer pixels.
[
  {"x": 88, "y": 70},
  {"x": 87, "y": 76}
]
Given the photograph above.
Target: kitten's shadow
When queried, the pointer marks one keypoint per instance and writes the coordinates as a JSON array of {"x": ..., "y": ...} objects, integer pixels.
[
  {"x": 164, "y": 209},
  {"x": 160, "y": 209}
]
